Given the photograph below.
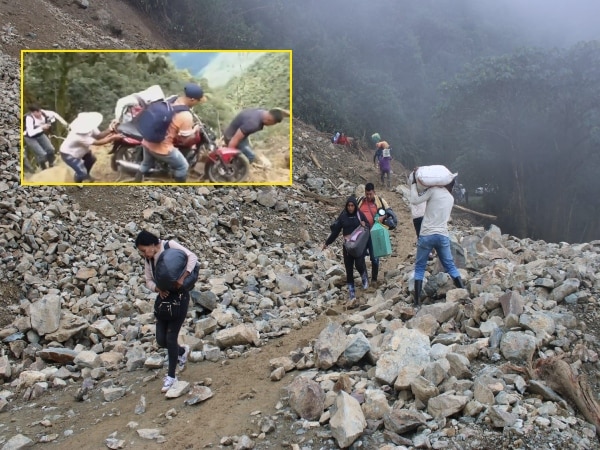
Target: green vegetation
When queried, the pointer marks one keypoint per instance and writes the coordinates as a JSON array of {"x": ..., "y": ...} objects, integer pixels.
[{"x": 72, "y": 82}]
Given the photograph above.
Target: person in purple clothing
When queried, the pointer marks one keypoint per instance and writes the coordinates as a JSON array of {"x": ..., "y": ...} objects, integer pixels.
[
  {"x": 247, "y": 122},
  {"x": 385, "y": 167}
]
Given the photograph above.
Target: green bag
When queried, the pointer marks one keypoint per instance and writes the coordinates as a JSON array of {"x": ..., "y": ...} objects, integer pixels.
[{"x": 380, "y": 236}]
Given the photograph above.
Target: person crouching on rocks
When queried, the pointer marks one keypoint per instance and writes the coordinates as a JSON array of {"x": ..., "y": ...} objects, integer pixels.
[
  {"x": 167, "y": 329},
  {"x": 349, "y": 219},
  {"x": 75, "y": 150}
]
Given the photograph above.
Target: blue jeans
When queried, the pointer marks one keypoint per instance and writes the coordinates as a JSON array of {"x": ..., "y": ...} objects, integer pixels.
[
  {"x": 442, "y": 246},
  {"x": 41, "y": 146},
  {"x": 174, "y": 159},
  {"x": 244, "y": 147},
  {"x": 81, "y": 166}
]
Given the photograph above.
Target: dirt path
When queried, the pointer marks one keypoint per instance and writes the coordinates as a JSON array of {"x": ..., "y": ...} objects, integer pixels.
[{"x": 241, "y": 387}]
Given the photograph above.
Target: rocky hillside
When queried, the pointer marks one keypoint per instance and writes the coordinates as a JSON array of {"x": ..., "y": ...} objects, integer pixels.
[{"x": 278, "y": 362}]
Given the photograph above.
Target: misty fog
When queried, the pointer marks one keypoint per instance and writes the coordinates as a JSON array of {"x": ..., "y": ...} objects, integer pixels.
[{"x": 502, "y": 91}]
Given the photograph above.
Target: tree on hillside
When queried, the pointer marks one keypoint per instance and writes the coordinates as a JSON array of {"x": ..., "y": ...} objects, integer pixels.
[
  {"x": 529, "y": 122},
  {"x": 72, "y": 82}
]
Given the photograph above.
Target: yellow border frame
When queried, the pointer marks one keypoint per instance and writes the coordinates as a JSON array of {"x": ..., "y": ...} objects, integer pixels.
[{"x": 22, "y": 143}]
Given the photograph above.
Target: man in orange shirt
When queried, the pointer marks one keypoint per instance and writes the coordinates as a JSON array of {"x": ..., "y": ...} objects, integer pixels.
[
  {"x": 182, "y": 126},
  {"x": 369, "y": 205}
]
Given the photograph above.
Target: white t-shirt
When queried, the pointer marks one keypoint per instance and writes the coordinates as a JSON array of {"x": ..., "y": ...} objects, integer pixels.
[{"x": 77, "y": 145}]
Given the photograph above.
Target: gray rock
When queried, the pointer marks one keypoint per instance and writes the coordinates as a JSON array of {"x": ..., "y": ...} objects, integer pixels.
[{"x": 306, "y": 398}]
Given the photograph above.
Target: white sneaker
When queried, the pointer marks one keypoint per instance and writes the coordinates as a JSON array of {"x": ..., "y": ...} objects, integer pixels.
[
  {"x": 168, "y": 383},
  {"x": 182, "y": 360}
]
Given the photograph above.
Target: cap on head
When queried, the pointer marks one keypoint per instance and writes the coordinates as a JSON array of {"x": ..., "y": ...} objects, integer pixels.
[{"x": 193, "y": 90}]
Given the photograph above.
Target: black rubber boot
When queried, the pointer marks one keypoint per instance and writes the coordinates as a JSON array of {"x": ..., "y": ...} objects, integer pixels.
[
  {"x": 418, "y": 287},
  {"x": 180, "y": 179},
  {"x": 139, "y": 177},
  {"x": 43, "y": 165},
  {"x": 458, "y": 282},
  {"x": 374, "y": 272}
]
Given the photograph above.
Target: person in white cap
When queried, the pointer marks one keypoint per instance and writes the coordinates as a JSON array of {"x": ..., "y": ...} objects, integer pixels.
[
  {"x": 127, "y": 107},
  {"x": 75, "y": 150}
]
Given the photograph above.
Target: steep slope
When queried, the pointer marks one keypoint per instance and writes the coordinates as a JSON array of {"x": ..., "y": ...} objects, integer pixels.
[
  {"x": 75, "y": 245},
  {"x": 64, "y": 24}
]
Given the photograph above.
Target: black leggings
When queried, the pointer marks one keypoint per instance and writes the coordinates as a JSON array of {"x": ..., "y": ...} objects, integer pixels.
[
  {"x": 167, "y": 332},
  {"x": 350, "y": 262}
]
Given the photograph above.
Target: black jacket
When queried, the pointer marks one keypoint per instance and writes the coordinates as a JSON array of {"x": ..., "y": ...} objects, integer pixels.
[{"x": 346, "y": 223}]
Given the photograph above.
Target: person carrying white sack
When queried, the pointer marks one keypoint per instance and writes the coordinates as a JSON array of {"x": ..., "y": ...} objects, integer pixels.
[{"x": 434, "y": 229}]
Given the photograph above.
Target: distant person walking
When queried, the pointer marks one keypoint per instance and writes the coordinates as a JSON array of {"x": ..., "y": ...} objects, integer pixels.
[{"x": 385, "y": 167}]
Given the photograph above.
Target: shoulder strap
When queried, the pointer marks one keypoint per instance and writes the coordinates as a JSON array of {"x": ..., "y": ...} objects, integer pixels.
[
  {"x": 360, "y": 216},
  {"x": 359, "y": 201},
  {"x": 382, "y": 203}
]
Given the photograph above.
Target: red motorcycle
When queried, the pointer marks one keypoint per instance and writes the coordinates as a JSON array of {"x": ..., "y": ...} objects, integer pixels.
[{"x": 221, "y": 164}]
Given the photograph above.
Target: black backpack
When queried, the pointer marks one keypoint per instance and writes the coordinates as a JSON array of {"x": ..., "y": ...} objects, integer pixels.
[{"x": 170, "y": 266}]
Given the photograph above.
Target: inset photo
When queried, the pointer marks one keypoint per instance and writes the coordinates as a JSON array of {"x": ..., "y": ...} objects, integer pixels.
[{"x": 139, "y": 117}]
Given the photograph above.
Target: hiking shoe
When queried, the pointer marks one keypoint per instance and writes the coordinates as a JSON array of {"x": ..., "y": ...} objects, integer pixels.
[
  {"x": 365, "y": 280},
  {"x": 182, "y": 359},
  {"x": 351, "y": 291},
  {"x": 168, "y": 383}
]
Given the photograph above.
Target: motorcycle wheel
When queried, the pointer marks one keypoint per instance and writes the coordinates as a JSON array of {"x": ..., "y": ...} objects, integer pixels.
[
  {"x": 235, "y": 172},
  {"x": 129, "y": 154}
]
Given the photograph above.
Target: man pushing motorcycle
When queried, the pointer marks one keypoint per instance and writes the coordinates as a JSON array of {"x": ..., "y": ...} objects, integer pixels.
[
  {"x": 160, "y": 124},
  {"x": 247, "y": 122}
]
